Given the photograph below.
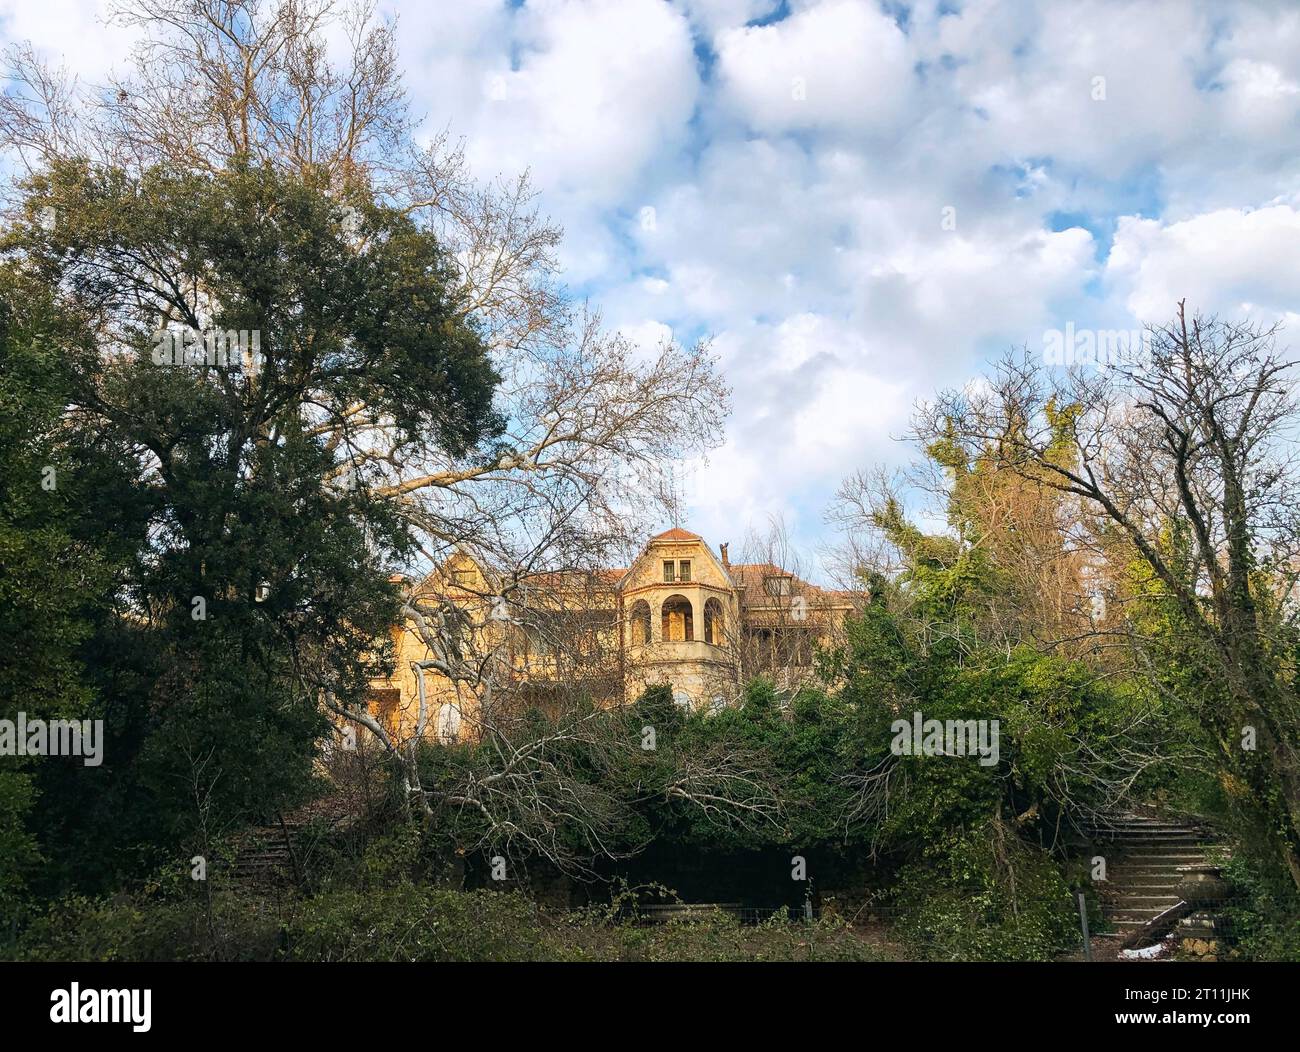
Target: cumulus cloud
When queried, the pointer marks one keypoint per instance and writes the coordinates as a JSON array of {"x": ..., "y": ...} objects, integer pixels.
[
  {"x": 585, "y": 94},
  {"x": 836, "y": 65},
  {"x": 70, "y": 33},
  {"x": 857, "y": 200},
  {"x": 1235, "y": 261},
  {"x": 810, "y": 403}
]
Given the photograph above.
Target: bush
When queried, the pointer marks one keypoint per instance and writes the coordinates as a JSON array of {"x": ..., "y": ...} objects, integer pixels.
[
  {"x": 409, "y": 922},
  {"x": 722, "y": 937},
  {"x": 151, "y": 928},
  {"x": 985, "y": 895},
  {"x": 1263, "y": 917}
]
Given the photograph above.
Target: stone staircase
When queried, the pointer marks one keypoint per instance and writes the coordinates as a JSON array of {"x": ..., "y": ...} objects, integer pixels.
[
  {"x": 275, "y": 855},
  {"x": 1149, "y": 861},
  {"x": 266, "y": 856}
]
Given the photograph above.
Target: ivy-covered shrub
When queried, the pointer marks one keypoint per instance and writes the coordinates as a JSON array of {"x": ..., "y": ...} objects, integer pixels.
[
  {"x": 985, "y": 895},
  {"x": 1262, "y": 915},
  {"x": 722, "y": 937},
  {"x": 410, "y": 922}
]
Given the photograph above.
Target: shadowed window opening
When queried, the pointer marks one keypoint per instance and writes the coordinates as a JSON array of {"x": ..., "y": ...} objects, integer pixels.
[{"x": 678, "y": 620}]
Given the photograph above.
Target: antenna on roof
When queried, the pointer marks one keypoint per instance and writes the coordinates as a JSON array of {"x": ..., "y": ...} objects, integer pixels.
[{"x": 677, "y": 488}]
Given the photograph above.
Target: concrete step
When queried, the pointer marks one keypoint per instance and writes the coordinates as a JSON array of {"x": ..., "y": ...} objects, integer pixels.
[
  {"x": 1170, "y": 869},
  {"x": 1139, "y": 852},
  {"x": 1118, "y": 843},
  {"x": 1116, "y": 894},
  {"x": 1111, "y": 899},
  {"x": 1150, "y": 834},
  {"x": 265, "y": 857},
  {"x": 1177, "y": 857},
  {"x": 1159, "y": 858},
  {"x": 1147, "y": 823},
  {"x": 1147, "y": 860},
  {"x": 1136, "y": 916}
]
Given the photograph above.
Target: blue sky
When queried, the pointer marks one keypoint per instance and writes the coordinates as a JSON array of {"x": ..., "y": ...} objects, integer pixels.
[{"x": 777, "y": 176}]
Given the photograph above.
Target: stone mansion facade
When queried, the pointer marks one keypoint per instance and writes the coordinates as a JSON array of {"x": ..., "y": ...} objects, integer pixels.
[{"x": 679, "y": 615}]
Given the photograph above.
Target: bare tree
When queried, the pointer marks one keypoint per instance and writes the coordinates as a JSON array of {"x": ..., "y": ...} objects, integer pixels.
[
  {"x": 1186, "y": 465},
  {"x": 213, "y": 82},
  {"x": 591, "y": 420},
  {"x": 547, "y": 762},
  {"x": 1018, "y": 530},
  {"x": 785, "y": 618}
]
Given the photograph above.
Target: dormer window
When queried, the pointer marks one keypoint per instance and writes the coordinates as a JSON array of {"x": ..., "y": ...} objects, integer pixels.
[
  {"x": 670, "y": 571},
  {"x": 778, "y": 586}
]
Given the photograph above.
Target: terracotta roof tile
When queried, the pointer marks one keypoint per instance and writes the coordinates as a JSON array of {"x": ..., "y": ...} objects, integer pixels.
[{"x": 751, "y": 581}]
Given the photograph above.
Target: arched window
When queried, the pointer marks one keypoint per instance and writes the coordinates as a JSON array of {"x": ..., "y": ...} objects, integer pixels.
[
  {"x": 678, "y": 620},
  {"x": 682, "y": 700},
  {"x": 447, "y": 724},
  {"x": 714, "y": 629},
  {"x": 640, "y": 622}
]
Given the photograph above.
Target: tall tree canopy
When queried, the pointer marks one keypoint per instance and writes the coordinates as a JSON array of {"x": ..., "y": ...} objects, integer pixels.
[{"x": 1182, "y": 476}]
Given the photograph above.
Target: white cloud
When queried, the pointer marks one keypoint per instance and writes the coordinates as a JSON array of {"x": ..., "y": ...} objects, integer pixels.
[
  {"x": 805, "y": 233},
  {"x": 714, "y": 15},
  {"x": 1231, "y": 260},
  {"x": 835, "y": 65},
  {"x": 809, "y": 404},
  {"x": 598, "y": 90},
  {"x": 69, "y": 32}
]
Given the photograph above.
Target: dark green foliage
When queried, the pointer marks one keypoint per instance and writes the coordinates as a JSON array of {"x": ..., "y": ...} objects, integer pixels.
[
  {"x": 56, "y": 564},
  {"x": 656, "y": 708},
  {"x": 1262, "y": 913},
  {"x": 345, "y": 315},
  {"x": 411, "y": 922},
  {"x": 984, "y": 895},
  {"x": 243, "y": 572}
]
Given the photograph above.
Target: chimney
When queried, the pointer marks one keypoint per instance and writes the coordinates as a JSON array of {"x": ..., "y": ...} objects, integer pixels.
[{"x": 726, "y": 563}]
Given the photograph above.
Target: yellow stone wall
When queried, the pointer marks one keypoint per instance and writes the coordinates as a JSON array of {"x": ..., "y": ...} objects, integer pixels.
[{"x": 706, "y": 673}]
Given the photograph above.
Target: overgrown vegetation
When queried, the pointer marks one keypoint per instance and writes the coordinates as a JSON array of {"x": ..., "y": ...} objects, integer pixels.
[
  {"x": 211, "y": 558},
  {"x": 407, "y": 920}
]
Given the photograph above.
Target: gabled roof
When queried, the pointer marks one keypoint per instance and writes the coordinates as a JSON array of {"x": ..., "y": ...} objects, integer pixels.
[
  {"x": 677, "y": 534},
  {"x": 606, "y": 577},
  {"x": 751, "y": 580}
]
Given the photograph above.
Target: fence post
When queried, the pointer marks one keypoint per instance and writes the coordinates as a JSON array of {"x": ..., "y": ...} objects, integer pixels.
[{"x": 1083, "y": 924}]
